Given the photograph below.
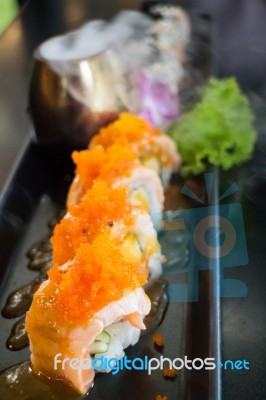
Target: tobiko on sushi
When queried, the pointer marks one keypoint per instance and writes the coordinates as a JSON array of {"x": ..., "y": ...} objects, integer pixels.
[{"x": 105, "y": 249}]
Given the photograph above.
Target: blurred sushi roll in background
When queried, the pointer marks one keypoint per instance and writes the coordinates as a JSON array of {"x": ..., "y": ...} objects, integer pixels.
[{"x": 172, "y": 29}]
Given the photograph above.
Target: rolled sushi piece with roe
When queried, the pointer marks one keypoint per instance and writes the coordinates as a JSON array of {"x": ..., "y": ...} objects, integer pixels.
[
  {"x": 119, "y": 166},
  {"x": 106, "y": 208},
  {"x": 91, "y": 306},
  {"x": 154, "y": 148}
]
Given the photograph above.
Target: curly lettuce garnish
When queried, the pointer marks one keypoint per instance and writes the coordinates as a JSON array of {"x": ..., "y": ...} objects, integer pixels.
[{"x": 219, "y": 130}]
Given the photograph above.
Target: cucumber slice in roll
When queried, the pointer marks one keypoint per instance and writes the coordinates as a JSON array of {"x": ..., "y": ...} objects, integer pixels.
[{"x": 101, "y": 343}]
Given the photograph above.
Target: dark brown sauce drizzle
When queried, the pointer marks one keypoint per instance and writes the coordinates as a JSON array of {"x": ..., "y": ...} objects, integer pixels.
[
  {"x": 18, "y": 338},
  {"x": 20, "y": 382},
  {"x": 156, "y": 292},
  {"x": 18, "y": 302},
  {"x": 40, "y": 256}
]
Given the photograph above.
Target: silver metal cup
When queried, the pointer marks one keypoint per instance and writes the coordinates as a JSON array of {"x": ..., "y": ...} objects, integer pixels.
[{"x": 70, "y": 101}]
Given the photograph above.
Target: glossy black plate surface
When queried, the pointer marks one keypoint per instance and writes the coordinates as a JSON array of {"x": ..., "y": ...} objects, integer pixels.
[{"x": 37, "y": 192}]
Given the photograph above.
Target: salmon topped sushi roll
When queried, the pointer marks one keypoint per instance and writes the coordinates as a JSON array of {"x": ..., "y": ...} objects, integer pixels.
[
  {"x": 105, "y": 250},
  {"x": 91, "y": 306},
  {"x": 119, "y": 166},
  {"x": 154, "y": 148}
]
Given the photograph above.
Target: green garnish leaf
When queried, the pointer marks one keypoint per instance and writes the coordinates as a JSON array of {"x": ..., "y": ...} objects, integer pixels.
[{"x": 219, "y": 130}]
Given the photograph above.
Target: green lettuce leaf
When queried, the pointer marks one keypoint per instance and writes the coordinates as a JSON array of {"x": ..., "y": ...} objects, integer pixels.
[{"x": 219, "y": 130}]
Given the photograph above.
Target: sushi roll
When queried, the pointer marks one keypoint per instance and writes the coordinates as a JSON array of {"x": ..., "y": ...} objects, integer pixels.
[
  {"x": 145, "y": 188},
  {"x": 119, "y": 166},
  {"x": 154, "y": 148},
  {"x": 91, "y": 306},
  {"x": 105, "y": 250},
  {"x": 174, "y": 23},
  {"x": 106, "y": 208}
]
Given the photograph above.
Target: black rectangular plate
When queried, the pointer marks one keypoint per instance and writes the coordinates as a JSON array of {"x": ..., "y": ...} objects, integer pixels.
[{"x": 37, "y": 192}]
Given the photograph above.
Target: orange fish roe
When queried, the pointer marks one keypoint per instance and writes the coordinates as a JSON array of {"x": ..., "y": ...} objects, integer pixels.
[
  {"x": 161, "y": 397},
  {"x": 129, "y": 128},
  {"x": 101, "y": 207},
  {"x": 116, "y": 161},
  {"x": 169, "y": 373},
  {"x": 98, "y": 275},
  {"x": 158, "y": 340}
]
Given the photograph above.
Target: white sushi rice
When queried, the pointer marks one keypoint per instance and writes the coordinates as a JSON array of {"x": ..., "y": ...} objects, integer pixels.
[
  {"x": 147, "y": 180},
  {"x": 165, "y": 175},
  {"x": 144, "y": 230},
  {"x": 123, "y": 335},
  {"x": 155, "y": 266}
]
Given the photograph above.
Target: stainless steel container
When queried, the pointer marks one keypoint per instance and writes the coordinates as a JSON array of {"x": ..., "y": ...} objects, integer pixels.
[{"x": 69, "y": 101}]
